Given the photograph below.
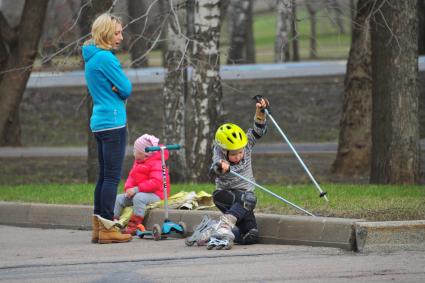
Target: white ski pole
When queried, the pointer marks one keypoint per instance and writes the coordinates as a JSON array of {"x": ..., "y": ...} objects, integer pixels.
[
  {"x": 268, "y": 113},
  {"x": 271, "y": 193}
]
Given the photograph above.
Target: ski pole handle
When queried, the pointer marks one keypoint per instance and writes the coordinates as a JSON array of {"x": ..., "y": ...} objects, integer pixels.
[
  {"x": 168, "y": 146},
  {"x": 258, "y": 98},
  {"x": 217, "y": 169}
]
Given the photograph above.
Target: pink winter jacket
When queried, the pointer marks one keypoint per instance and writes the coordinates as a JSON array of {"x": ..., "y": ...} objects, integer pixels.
[{"x": 147, "y": 175}]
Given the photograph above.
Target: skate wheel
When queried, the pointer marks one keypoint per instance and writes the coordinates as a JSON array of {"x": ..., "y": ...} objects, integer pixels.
[
  {"x": 184, "y": 228},
  {"x": 156, "y": 232},
  {"x": 219, "y": 247},
  {"x": 210, "y": 247}
]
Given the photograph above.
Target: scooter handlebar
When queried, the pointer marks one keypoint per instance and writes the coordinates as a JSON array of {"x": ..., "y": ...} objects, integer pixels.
[{"x": 168, "y": 146}]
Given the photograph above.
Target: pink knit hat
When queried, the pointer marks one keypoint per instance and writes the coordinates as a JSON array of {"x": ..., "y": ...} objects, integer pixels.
[{"x": 145, "y": 141}]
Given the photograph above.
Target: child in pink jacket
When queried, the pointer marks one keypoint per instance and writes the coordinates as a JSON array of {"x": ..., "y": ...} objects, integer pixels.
[{"x": 144, "y": 183}]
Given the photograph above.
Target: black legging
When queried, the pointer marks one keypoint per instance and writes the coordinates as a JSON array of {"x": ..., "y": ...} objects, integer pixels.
[{"x": 229, "y": 201}]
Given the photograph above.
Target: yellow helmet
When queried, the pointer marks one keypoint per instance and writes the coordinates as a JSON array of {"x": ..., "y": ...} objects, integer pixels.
[{"x": 230, "y": 137}]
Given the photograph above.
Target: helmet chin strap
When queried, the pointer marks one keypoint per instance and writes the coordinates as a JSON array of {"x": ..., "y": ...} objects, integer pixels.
[
  {"x": 227, "y": 156},
  {"x": 226, "y": 153}
]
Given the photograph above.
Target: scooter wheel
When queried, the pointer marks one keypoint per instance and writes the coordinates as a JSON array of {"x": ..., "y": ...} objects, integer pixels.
[
  {"x": 184, "y": 228},
  {"x": 156, "y": 232}
]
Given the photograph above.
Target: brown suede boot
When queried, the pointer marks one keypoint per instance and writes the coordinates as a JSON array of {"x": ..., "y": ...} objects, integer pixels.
[
  {"x": 132, "y": 225},
  {"x": 109, "y": 234},
  {"x": 95, "y": 233}
]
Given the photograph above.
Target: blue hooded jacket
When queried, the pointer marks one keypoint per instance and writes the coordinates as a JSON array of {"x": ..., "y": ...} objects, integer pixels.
[{"x": 103, "y": 71}]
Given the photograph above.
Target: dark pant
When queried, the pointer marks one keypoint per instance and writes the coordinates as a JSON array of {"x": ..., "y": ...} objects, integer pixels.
[
  {"x": 111, "y": 151},
  {"x": 229, "y": 201}
]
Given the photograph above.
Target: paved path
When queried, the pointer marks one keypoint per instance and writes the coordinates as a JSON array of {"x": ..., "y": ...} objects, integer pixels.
[
  {"x": 82, "y": 151},
  {"x": 40, "y": 255},
  {"x": 272, "y": 148},
  {"x": 227, "y": 72}
]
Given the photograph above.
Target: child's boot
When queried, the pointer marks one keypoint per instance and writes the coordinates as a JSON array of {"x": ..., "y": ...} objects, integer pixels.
[
  {"x": 108, "y": 233},
  {"x": 223, "y": 236},
  {"x": 95, "y": 231},
  {"x": 224, "y": 228},
  {"x": 131, "y": 228}
]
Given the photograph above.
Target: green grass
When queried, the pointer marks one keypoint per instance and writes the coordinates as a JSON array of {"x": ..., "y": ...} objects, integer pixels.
[
  {"x": 371, "y": 202},
  {"x": 330, "y": 43}
]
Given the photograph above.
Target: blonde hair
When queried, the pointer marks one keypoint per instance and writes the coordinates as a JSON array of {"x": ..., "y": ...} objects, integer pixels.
[{"x": 103, "y": 30}]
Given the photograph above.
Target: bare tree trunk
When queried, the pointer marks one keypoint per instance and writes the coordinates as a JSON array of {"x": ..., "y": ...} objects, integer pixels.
[
  {"x": 163, "y": 39},
  {"x": 3, "y": 52},
  {"x": 335, "y": 6},
  {"x": 249, "y": 37},
  {"x": 88, "y": 15},
  {"x": 395, "y": 129},
  {"x": 175, "y": 91},
  {"x": 294, "y": 32},
  {"x": 13, "y": 132},
  {"x": 22, "y": 44},
  {"x": 238, "y": 29},
  {"x": 355, "y": 142},
  {"x": 139, "y": 30},
  {"x": 92, "y": 153},
  {"x": 421, "y": 26},
  {"x": 281, "y": 45},
  {"x": 206, "y": 87},
  {"x": 352, "y": 15},
  {"x": 312, "y": 8},
  {"x": 190, "y": 17}
]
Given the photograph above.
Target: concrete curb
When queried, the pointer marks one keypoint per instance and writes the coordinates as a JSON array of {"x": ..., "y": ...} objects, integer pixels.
[
  {"x": 280, "y": 229},
  {"x": 46, "y": 215},
  {"x": 275, "y": 229},
  {"x": 390, "y": 236},
  {"x": 348, "y": 234}
]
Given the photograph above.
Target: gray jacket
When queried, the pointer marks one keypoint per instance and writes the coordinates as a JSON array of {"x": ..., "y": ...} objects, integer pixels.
[{"x": 244, "y": 167}]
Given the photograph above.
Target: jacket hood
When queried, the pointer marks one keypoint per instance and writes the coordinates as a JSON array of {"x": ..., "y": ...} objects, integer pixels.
[{"x": 89, "y": 51}]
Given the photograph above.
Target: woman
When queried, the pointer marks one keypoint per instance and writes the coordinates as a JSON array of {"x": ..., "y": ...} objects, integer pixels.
[{"x": 109, "y": 88}]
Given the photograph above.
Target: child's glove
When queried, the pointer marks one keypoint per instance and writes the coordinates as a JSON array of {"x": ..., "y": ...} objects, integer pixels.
[
  {"x": 262, "y": 103},
  {"x": 217, "y": 169}
]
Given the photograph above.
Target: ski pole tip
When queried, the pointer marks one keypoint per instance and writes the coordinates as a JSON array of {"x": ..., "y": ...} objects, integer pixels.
[{"x": 323, "y": 195}]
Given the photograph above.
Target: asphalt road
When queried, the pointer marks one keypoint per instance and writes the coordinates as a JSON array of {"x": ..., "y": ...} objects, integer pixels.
[
  {"x": 227, "y": 72},
  {"x": 9, "y": 152},
  {"x": 42, "y": 255}
]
